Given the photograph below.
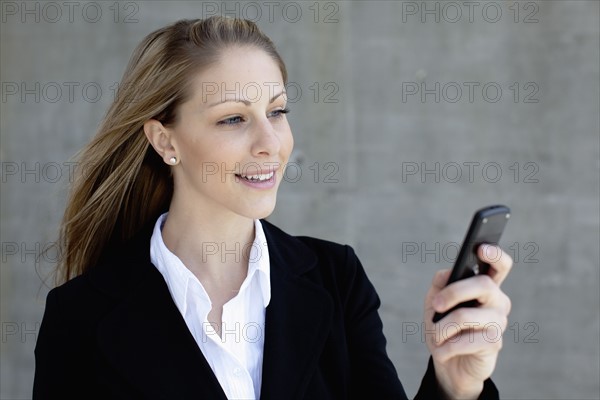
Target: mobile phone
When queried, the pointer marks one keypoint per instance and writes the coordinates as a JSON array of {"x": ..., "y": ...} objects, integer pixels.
[{"x": 486, "y": 227}]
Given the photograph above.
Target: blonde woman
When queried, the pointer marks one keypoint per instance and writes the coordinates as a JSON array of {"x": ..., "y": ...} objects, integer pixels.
[{"x": 175, "y": 287}]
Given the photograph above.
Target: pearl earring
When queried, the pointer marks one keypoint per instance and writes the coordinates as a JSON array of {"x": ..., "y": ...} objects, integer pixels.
[{"x": 173, "y": 160}]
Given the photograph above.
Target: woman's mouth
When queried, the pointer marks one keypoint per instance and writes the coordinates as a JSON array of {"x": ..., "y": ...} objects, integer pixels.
[
  {"x": 256, "y": 177},
  {"x": 257, "y": 181}
]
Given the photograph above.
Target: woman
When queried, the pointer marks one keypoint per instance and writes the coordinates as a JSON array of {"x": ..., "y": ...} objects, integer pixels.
[{"x": 175, "y": 285}]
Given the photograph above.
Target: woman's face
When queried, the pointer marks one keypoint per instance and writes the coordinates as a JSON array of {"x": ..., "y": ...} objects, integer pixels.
[{"x": 232, "y": 137}]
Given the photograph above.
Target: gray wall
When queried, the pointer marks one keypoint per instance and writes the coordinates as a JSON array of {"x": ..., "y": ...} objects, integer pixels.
[{"x": 373, "y": 141}]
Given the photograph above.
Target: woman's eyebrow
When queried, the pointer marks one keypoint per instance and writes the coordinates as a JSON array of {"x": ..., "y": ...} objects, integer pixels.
[
  {"x": 246, "y": 102},
  {"x": 276, "y": 96}
]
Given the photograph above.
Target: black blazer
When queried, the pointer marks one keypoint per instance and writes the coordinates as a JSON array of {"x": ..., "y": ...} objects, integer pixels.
[{"x": 115, "y": 332}]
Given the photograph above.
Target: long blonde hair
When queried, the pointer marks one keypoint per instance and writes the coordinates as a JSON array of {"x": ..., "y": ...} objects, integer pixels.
[{"x": 122, "y": 184}]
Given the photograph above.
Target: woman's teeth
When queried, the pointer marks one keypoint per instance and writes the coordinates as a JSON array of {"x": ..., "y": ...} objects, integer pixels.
[{"x": 258, "y": 177}]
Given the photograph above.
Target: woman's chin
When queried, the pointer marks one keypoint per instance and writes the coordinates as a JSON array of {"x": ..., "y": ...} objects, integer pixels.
[{"x": 262, "y": 211}]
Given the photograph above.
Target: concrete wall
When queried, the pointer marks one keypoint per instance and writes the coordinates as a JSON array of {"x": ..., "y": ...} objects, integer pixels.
[{"x": 394, "y": 148}]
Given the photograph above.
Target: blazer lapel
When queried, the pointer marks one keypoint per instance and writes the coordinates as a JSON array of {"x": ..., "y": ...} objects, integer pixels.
[
  {"x": 298, "y": 318},
  {"x": 147, "y": 340},
  {"x": 144, "y": 337}
]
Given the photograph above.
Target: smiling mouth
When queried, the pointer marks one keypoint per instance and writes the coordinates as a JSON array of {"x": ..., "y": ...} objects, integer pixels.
[{"x": 257, "y": 177}]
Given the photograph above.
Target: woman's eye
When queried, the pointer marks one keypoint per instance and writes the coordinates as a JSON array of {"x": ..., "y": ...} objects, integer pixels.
[
  {"x": 230, "y": 121},
  {"x": 279, "y": 113},
  {"x": 238, "y": 119}
]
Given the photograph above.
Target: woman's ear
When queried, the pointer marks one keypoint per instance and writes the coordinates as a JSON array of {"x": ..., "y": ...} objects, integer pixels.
[{"x": 160, "y": 138}]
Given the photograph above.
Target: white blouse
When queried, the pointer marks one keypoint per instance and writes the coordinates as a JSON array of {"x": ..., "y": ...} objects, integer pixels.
[{"x": 235, "y": 357}]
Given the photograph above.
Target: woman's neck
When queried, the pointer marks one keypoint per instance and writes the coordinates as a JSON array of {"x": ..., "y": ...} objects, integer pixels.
[{"x": 213, "y": 246}]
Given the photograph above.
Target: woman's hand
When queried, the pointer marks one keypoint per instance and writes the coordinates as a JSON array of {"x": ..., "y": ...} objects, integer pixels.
[{"x": 465, "y": 343}]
